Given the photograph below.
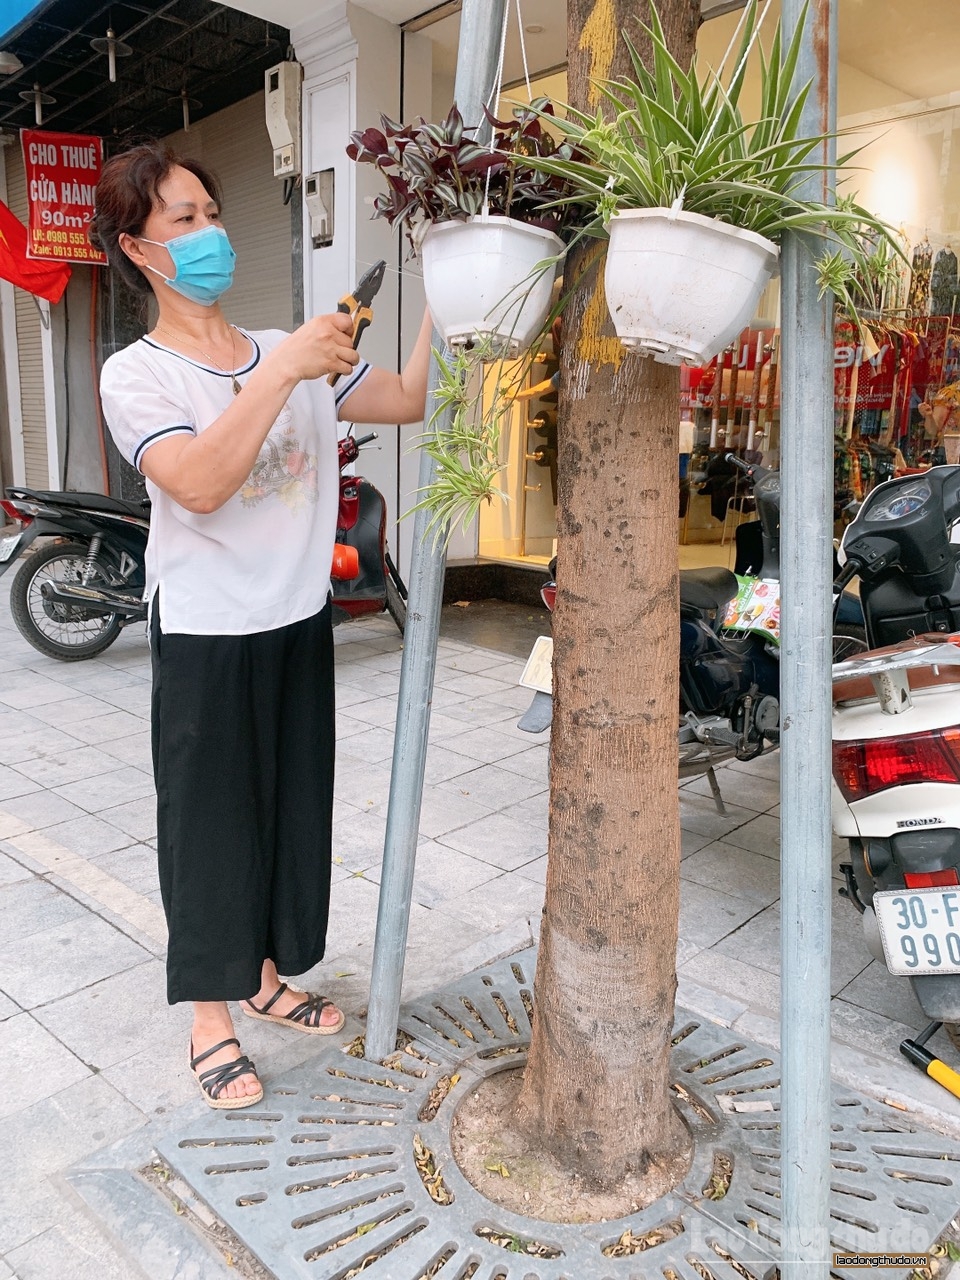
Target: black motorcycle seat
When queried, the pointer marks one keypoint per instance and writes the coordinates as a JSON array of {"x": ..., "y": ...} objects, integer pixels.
[
  {"x": 707, "y": 589},
  {"x": 91, "y": 501}
]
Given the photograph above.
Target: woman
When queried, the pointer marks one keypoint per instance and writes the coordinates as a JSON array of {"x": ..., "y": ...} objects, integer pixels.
[{"x": 236, "y": 434}]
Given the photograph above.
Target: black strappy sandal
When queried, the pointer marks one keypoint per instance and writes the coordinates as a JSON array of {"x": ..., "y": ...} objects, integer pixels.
[
  {"x": 303, "y": 1017},
  {"x": 213, "y": 1082}
]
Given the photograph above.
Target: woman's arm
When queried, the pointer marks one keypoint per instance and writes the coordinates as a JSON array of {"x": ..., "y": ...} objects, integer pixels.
[
  {"x": 203, "y": 472},
  {"x": 384, "y": 397}
]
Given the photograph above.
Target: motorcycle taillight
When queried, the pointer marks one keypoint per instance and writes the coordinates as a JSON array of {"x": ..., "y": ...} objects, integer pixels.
[
  {"x": 548, "y": 594},
  {"x": 930, "y": 879},
  {"x": 862, "y": 768},
  {"x": 9, "y": 508}
]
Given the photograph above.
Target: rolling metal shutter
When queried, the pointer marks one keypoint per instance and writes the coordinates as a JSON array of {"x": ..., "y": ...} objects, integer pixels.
[
  {"x": 29, "y": 345},
  {"x": 235, "y": 145}
]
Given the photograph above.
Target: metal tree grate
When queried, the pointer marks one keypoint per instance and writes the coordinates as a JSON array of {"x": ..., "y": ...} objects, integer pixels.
[{"x": 346, "y": 1167}]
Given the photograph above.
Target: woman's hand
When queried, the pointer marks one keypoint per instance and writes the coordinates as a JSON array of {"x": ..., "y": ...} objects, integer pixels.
[{"x": 321, "y": 346}]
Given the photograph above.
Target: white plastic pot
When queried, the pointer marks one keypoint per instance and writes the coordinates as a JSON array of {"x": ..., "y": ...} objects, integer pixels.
[
  {"x": 480, "y": 280},
  {"x": 680, "y": 287}
]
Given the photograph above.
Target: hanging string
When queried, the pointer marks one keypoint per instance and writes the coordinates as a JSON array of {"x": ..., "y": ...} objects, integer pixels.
[
  {"x": 493, "y": 101},
  {"x": 523, "y": 52}
]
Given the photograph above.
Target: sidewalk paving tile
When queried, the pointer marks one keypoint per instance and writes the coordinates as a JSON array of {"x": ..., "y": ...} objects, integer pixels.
[
  {"x": 757, "y": 943},
  {"x": 747, "y": 790},
  {"x": 42, "y": 809},
  {"x": 55, "y": 1132},
  {"x": 63, "y": 768},
  {"x": 699, "y": 814},
  {"x": 70, "y": 711},
  {"x": 138, "y": 818},
  {"x": 113, "y": 1019},
  {"x": 18, "y": 749},
  {"x": 494, "y": 786},
  {"x": 375, "y": 745},
  {"x": 737, "y": 871},
  {"x": 443, "y": 874},
  {"x": 135, "y": 750},
  {"x": 107, "y": 727},
  {"x": 501, "y": 840},
  {"x": 25, "y": 689},
  {"x": 708, "y": 915},
  {"x": 358, "y": 840},
  {"x": 496, "y": 903},
  {"x": 487, "y": 746},
  {"x": 106, "y": 789},
  {"x": 877, "y": 990},
  {"x": 88, "y": 836},
  {"x": 135, "y": 865},
  {"x": 13, "y": 783},
  {"x": 440, "y": 814},
  {"x": 535, "y": 810},
  {"x": 81, "y": 1256},
  {"x": 33, "y": 906},
  {"x": 11, "y": 872},
  {"x": 759, "y": 988},
  {"x": 64, "y": 959},
  {"x": 36, "y": 1064}
]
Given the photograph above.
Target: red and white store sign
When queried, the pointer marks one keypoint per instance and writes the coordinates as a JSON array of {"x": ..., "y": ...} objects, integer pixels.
[{"x": 62, "y": 174}]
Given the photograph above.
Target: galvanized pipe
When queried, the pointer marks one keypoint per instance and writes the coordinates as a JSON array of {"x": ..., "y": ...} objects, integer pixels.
[
  {"x": 806, "y": 463},
  {"x": 481, "y": 24}
]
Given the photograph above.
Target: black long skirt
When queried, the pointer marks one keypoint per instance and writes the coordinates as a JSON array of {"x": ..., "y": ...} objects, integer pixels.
[{"x": 243, "y": 754}]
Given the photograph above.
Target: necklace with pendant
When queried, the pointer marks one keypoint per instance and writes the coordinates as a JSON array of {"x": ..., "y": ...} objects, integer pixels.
[{"x": 179, "y": 337}]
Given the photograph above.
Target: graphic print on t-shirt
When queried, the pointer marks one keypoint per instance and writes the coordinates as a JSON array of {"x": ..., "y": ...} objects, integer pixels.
[{"x": 283, "y": 469}]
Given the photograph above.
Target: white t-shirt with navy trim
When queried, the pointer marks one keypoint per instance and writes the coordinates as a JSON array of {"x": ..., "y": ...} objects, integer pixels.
[{"x": 263, "y": 559}]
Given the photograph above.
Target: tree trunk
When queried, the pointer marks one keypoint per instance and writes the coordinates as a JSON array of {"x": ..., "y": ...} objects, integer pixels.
[{"x": 596, "y": 1089}]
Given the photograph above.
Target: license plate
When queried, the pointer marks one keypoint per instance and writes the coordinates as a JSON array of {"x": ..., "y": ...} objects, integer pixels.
[
  {"x": 8, "y": 547},
  {"x": 538, "y": 673},
  {"x": 920, "y": 929}
]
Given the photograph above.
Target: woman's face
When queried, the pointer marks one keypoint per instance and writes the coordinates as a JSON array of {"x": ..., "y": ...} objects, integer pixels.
[{"x": 184, "y": 205}]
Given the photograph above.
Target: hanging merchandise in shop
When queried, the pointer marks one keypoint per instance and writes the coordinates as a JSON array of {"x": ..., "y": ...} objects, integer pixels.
[
  {"x": 62, "y": 171},
  {"x": 43, "y": 280}
]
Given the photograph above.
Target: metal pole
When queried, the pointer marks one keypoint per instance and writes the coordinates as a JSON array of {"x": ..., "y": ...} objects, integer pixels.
[
  {"x": 481, "y": 23},
  {"x": 806, "y": 462}
]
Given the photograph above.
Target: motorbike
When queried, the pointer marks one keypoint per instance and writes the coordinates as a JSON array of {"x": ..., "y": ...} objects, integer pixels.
[
  {"x": 375, "y": 585},
  {"x": 729, "y": 651},
  {"x": 896, "y": 736},
  {"x": 73, "y": 597}
]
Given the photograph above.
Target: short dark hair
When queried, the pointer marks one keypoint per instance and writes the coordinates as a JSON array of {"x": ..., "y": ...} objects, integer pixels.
[{"x": 127, "y": 194}]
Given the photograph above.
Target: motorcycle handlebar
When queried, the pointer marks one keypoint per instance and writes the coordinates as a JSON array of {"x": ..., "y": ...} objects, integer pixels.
[{"x": 366, "y": 439}]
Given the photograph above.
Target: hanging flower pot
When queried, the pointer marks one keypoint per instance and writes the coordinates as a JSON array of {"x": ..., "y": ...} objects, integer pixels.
[
  {"x": 680, "y": 286},
  {"x": 482, "y": 280}
]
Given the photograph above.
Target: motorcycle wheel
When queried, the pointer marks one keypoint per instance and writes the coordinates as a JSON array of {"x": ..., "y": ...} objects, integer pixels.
[
  {"x": 848, "y": 641},
  {"x": 56, "y": 630},
  {"x": 396, "y": 594}
]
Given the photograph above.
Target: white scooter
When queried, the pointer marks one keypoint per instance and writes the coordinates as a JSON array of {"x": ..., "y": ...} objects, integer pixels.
[{"x": 896, "y": 736}]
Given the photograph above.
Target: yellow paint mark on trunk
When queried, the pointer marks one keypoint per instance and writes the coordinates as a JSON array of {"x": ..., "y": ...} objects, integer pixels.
[
  {"x": 593, "y": 345},
  {"x": 599, "y": 38}
]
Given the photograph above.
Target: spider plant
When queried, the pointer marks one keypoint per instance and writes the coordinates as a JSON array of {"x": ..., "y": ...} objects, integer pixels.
[
  {"x": 475, "y": 390},
  {"x": 675, "y": 139}
]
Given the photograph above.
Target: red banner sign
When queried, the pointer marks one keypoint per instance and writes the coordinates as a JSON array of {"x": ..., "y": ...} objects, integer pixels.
[{"x": 62, "y": 174}]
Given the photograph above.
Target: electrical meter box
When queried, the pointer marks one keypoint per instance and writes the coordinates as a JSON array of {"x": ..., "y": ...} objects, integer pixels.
[{"x": 282, "y": 105}]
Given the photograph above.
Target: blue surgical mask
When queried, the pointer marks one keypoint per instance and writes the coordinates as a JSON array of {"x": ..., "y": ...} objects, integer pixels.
[{"x": 203, "y": 264}]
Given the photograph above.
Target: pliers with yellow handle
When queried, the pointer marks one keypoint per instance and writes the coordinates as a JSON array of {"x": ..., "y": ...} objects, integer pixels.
[{"x": 358, "y": 303}]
